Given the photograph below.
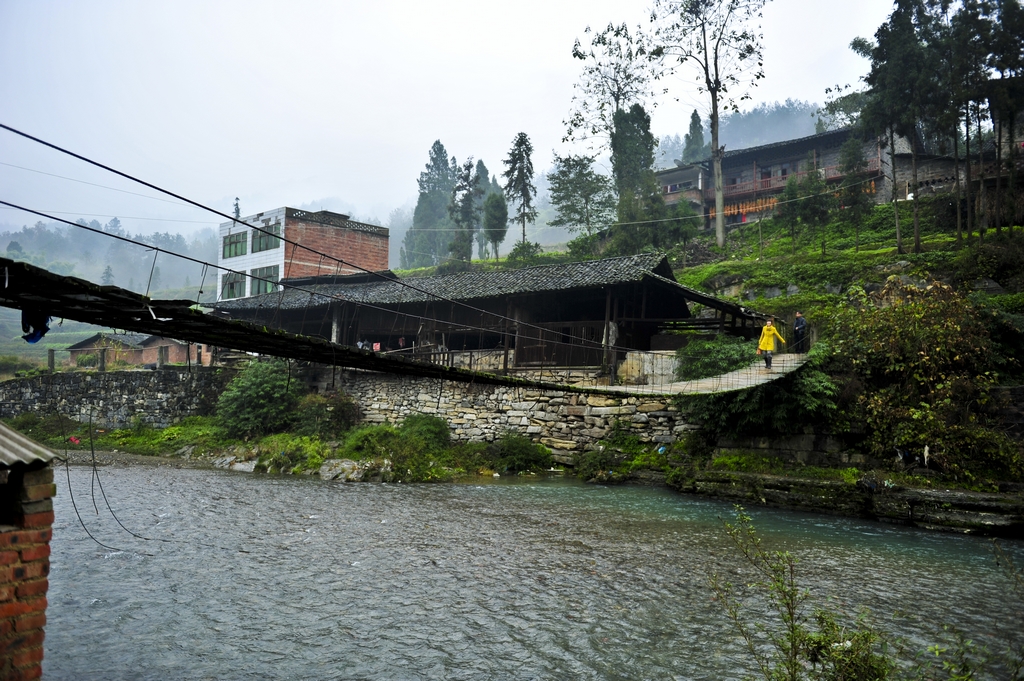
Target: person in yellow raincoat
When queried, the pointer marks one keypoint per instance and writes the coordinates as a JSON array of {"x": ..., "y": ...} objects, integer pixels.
[{"x": 766, "y": 345}]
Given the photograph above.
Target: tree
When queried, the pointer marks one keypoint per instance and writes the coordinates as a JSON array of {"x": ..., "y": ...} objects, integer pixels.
[
  {"x": 488, "y": 185},
  {"x": 632, "y": 149},
  {"x": 107, "y": 279},
  {"x": 842, "y": 109},
  {"x": 464, "y": 211},
  {"x": 855, "y": 200},
  {"x": 495, "y": 220},
  {"x": 427, "y": 240},
  {"x": 805, "y": 205},
  {"x": 519, "y": 188},
  {"x": 720, "y": 39},
  {"x": 583, "y": 199},
  {"x": 258, "y": 400},
  {"x": 694, "y": 149},
  {"x": 617, "y": 71}
]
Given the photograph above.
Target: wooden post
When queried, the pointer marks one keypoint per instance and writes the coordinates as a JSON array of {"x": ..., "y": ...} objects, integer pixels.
[
  {"x": 161, "y": 356},
  {"x": 606, "y": 335},
  {"x": 199, "y": 355},
  {"x": 103, "y": 359},
  {"x": 50, "y": 362}
]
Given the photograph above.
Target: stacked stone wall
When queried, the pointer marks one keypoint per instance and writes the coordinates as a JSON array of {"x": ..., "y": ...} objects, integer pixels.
[
  {"x": 564, "y": 422},
  {"x": 115, "y": 399}
]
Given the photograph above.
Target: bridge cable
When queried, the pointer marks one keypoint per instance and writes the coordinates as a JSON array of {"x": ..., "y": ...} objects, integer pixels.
[{"x": 246, "y": 225}]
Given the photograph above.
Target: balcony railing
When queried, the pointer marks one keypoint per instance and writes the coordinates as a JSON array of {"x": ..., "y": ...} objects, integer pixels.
[{"x": 777, "y": 183}]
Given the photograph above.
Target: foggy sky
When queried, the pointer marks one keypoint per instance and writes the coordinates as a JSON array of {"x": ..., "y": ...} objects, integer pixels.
[{"x": 331, "y": 104}]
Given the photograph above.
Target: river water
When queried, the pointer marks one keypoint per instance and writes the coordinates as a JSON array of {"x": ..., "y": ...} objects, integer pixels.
[{"x": 259, "y": 577}]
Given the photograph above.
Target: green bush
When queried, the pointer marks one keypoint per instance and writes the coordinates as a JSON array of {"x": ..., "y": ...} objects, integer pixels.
[
  {"x": 703, "y": 357},
  {"x": 516, "y": 453},
  {"x": 259, "y": 400},
  {"x": 326, "y": 416},
  {"x": 523, "y": 254},
  {"x": 88, "y": 360},
  {"x": 432, "y": 430},
  {"x": 285, "y": 452},
  {"x": 587, "y": 465},
  {"x": 368, "y": 442}
]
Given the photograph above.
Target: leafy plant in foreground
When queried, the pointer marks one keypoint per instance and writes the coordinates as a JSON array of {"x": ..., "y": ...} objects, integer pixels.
[{"x": 799, "y": 643}]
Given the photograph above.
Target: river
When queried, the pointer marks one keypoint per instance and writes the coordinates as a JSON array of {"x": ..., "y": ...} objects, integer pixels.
[{"x": 256, "y": 577}]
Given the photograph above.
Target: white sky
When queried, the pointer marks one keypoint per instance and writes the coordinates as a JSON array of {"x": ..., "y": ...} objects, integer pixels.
[{"x": 331, "y": 104}]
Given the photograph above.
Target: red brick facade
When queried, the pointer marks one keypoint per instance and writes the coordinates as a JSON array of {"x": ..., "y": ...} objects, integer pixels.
[
  {"x": 364, "y": 248},
  {"x": 24, "y": 569}
]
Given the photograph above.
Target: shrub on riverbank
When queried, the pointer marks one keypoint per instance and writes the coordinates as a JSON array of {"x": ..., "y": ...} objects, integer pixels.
[{"x": 259, "y": 400}]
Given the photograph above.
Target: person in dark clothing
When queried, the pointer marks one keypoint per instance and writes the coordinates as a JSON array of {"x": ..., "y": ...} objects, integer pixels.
[{"x": 800, "y": 333}]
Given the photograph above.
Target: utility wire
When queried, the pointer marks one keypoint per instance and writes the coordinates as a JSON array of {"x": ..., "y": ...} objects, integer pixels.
[
  {"x": 314, "y": 293},
  {"x": 234, "y": 220},
  {"x": 91, "y": 184}
]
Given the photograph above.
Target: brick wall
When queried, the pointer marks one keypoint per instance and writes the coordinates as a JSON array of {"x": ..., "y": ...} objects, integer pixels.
[
  {"x": 365, "y": 249},
  {"x": 24, "y": 570}
]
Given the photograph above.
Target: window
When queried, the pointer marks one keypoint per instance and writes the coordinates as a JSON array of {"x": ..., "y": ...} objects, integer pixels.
[
  {"x": 268, "y": 239},
  {"x": 234, "y": 245},
  {"x": 264, "y": 280},
  {"x": 232, "y": 284}
]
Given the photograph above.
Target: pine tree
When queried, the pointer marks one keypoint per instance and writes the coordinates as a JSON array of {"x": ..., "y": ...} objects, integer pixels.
[
  {"x": 694, "y": 148},
  {"x": 426, "y": 242},
  {"x": 519, "y": 188},
  {"x": 464, "y": 211},
  {"x": 107, "y": 278}
]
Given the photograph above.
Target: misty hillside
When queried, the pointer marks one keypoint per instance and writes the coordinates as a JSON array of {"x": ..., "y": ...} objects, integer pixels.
[{"x": 104, "y": 259}]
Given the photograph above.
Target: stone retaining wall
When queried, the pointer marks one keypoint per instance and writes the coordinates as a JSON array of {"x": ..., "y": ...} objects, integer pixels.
[
  {"x": 157, "y": 398},
  {"x": 564, "y": 422}
]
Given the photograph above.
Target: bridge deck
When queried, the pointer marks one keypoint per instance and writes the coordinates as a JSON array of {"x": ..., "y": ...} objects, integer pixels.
[{"x": 741, "y": 379}]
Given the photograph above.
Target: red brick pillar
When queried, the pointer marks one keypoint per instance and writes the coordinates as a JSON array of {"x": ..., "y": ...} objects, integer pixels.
[{"x": 24, "y": 567}]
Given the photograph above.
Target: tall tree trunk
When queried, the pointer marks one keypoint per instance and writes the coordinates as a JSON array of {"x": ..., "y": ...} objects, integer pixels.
[
  {"x": 959, "y": 194},
  {"x": 716, "y": 162},
  {"x": 970, "y": 203},
  {"x": 979, "y": 211},
  {"x": 999, "y": 178},
  {"x": 895, "y": 205},
  {"x": 1014, "y": 196},
  {"x": 913, "y": 165}
]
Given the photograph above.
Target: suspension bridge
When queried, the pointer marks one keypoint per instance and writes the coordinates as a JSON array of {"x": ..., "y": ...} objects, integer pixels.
[{"x": 39, "y": 294}]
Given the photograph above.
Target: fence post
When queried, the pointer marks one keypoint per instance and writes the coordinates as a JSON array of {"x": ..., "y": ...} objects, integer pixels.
[
  {"x": 103, "y": 359},
  {"x": 50, "y": 362}
]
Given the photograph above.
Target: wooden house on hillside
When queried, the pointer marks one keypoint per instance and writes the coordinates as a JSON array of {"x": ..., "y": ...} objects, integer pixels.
[{"x": 569, "y": 315}]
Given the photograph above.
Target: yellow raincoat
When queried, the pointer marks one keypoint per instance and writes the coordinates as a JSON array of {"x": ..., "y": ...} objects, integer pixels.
[{"x": 768, "y": 336}]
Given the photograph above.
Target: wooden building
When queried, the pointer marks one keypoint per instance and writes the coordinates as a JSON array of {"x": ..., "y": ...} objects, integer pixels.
[{"x": 575, "y": 314}]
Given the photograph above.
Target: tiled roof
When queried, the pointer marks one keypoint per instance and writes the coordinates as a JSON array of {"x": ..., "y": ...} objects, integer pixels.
[
  {"x": 471, "y": 285},
  {"x": 129, "y": 340},
  {"x": 16, "y": 448}
]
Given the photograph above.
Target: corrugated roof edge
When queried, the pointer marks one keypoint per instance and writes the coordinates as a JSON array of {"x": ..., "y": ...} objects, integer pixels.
[{"x": 16, "y": 448}]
